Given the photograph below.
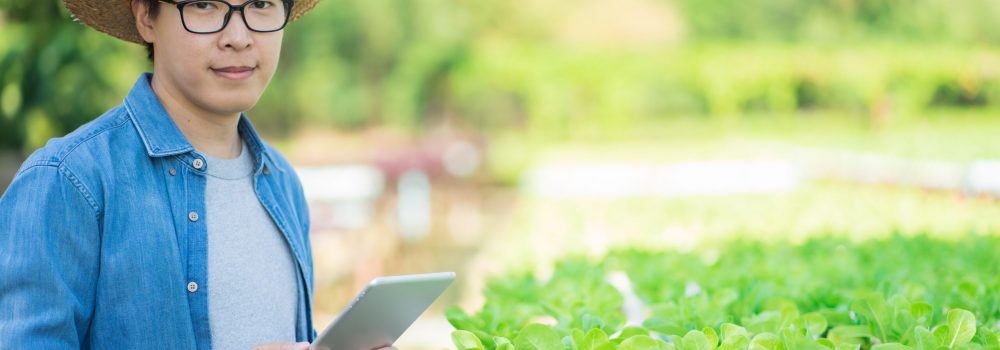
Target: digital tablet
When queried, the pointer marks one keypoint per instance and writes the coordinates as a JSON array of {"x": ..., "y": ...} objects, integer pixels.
[{"x": 383, "y": 311}]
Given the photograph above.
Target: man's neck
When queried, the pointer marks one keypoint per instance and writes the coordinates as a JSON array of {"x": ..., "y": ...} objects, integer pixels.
[{"x": 214, "y": 135}]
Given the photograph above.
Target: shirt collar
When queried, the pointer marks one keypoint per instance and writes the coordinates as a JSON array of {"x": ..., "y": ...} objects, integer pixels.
[{"x": 160, "y": 135}]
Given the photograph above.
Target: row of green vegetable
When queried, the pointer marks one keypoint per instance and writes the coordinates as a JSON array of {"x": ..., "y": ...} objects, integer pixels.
[{"x": 898, "y": 293}]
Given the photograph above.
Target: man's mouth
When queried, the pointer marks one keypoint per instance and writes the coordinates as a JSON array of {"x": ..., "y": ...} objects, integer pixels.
[{"x": 234, "y": 72}]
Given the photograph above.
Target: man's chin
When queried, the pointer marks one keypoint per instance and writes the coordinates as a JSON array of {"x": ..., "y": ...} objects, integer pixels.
[
  {"x": 233, "y": 108},
  {"x": 234, "y": 103}
]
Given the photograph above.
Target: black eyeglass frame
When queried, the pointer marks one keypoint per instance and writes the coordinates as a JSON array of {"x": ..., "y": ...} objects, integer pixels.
[{"x": 229, "y": 14}]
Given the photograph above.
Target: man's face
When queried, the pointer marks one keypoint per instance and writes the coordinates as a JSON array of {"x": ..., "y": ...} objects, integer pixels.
[{"x": 221, "y": 73}]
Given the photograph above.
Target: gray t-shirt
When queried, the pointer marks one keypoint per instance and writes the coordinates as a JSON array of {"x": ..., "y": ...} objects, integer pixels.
[{"x": 252, "y": 290}]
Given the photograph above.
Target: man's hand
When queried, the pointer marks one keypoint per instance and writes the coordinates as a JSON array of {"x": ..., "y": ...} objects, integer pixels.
[
  {"x": 298, "y": 346},
  {"x": 282, "y": 346}
]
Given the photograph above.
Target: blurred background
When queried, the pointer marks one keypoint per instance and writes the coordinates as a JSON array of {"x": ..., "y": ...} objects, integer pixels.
[{"x": 482, "y": 136}]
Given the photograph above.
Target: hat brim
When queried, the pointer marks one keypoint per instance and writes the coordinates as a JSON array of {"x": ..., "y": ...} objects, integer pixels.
[{"x": 114, "y": 17}]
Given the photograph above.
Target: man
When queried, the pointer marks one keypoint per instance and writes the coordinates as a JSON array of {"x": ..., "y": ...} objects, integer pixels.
[{"x": 165, "y": 223}]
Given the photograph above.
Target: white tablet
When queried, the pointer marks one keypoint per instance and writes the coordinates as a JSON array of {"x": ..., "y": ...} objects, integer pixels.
[{"x": 383, "y": 311}]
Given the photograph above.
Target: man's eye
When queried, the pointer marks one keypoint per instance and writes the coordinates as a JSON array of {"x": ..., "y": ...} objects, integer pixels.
[
  {"x": 205, "y": 5},
  {"x": 262, "y": 4}
]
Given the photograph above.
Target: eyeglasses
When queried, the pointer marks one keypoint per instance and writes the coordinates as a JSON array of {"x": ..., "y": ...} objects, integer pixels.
[{"x": 211, "y": 16}]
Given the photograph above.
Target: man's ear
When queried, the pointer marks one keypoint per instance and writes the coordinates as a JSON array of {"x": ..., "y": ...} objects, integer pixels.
[{"x": 143, "y": 22}]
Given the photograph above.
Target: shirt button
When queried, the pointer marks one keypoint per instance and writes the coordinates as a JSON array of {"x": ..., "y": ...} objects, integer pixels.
[
  {"x": 192, "y": 287},
  {"x": 172, "y": 172},
  {"x": 193, "y": 216},
  {"x": 198, "y": 163},
  {"x": 267, "y": 171}
]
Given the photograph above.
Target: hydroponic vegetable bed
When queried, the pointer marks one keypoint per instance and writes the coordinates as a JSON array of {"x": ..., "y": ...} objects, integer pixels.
[{"x": 826, "y": 294}]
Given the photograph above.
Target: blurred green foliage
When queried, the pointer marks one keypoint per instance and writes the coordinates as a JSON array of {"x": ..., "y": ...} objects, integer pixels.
[
  {"x": 844, "y": 21},
  {"x": 553, "y": 67},
  {"x": 54, "y": 74},
  {"x": 356, "y": 63}
]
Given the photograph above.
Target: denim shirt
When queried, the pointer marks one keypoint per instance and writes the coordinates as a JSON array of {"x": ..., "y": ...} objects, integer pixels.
[{"x": 103, "y": 239}]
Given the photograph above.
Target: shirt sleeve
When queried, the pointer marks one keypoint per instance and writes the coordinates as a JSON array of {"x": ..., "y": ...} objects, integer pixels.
[{"x": 49, "y": 259}]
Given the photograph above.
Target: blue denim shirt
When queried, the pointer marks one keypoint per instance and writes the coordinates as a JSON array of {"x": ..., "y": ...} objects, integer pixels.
[{"x": 103, "y": 239}]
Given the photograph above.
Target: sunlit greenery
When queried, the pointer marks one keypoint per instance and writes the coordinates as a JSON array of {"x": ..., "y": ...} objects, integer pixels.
[
  {"x": 645, "y": 82},
  {"x": 553, "y": 67}
]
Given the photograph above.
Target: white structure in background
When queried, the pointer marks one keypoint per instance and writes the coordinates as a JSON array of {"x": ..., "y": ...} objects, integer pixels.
[
  {"x": 413, "y": 206},
  {"x": 461, "y": 159},
  {"x": 671, "y": 180},
  {"x": 977, "y": 177},
  {"x": 984, "y": 177},
  {"x": 342, "y": 197},
  {"x": 870, "y": 168},
  {"x": 766, "y": 176}
]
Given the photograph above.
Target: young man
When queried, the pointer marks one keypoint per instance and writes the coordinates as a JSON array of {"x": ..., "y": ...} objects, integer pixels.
[{"x": 165, "y": 223}]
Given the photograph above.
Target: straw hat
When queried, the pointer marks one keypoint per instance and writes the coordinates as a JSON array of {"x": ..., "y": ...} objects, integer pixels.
[{"x": 115, "y": 17}]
